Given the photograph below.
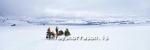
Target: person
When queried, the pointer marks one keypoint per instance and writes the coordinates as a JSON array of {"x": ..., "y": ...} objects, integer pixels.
[
  {"x": 56, "y": 29},
  {"x": 61, "y": 33},
  {"x": 67, "y": 32},
  {"x": 50, "y": 34}
]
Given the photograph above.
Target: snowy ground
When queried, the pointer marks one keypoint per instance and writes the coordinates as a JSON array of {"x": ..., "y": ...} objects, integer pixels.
[{"x": 133, "y": 37}]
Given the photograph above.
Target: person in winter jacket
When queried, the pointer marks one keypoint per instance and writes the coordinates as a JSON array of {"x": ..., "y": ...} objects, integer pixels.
[{"x": 50, "y": 34}]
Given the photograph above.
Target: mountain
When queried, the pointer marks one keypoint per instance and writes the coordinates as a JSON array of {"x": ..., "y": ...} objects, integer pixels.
[{"x": 73, "y": 20}]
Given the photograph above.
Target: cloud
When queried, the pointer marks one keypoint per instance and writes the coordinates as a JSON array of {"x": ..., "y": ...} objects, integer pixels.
[{"x": 74, "y": 7}]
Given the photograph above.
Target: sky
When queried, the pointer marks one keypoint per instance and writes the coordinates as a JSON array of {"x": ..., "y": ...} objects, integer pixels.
[{"x": 75, "y": 7}]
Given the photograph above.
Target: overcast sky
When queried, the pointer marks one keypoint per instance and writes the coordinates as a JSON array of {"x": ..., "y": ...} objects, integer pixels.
[{"x": 75, "y": 7}]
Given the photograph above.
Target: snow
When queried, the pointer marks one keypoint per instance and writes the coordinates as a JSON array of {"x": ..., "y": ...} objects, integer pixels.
[
  {"x": 123, "y": 37},
  {"x": 74, "y": 20},
  {"x": 123, "y": 33}
]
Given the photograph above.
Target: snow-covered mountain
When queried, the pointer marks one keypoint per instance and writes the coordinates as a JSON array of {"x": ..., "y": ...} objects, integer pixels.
[{"x": 74, "y": 20}]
